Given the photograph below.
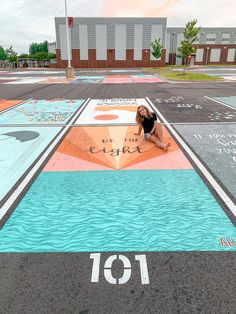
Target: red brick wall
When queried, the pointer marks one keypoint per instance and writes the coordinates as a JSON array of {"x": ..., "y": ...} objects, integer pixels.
[
  {"x": 223, "y": 55},
  {"x": 110, "y": 62}
]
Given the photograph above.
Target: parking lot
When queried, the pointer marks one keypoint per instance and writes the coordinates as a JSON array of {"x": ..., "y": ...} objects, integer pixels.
[{"x": 108, "y": 222}]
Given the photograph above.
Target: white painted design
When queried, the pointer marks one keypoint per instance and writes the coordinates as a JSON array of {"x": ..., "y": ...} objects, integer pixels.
[
  {"x": 96, "y": 266},
  {"x": 178, "y": 100},
  {"x": 126, "y": 266},
  {"x": 83, "y": 41},
  {"x": 138, "y": 41},
  {"x": 173, "y": 99},
  {"x": 108, "y": 273},
  {"x": 143, "y": 268},
  {"x": 120, "y": 42},
  {"x": 101, "y": 42},
  {"x": 114, "y": 107}
]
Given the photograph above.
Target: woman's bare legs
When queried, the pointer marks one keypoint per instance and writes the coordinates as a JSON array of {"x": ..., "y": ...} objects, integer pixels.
[
  {"x": 159, "y": 132},
  {"x": 158, "y": 143},
  {"x": 159, "y": 136}
]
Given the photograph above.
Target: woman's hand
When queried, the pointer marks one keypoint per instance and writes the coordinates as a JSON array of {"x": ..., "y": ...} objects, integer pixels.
[{"x": 136, "y": 133}]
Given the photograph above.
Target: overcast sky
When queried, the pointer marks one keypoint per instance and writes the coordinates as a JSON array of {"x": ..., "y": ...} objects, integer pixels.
[{"x": 26, "y": 21}]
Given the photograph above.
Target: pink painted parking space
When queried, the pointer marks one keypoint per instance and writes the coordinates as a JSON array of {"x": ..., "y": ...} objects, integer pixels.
[{"x": 117, "y": 80}]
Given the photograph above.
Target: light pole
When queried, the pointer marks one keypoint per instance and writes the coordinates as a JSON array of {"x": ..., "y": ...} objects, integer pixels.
[
  {"x": 172, "y": 48},
  {"x": 207, "y": 52},
  {"x": 69, "y": 69}
]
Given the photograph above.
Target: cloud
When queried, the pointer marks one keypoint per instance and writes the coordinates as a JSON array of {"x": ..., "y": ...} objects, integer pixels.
[
  {"x": 210, "y": 13},
  {"x": 26, "y": 21},
  {"x": 148, "y": 8},
  {"x": 163, "y": 9}
]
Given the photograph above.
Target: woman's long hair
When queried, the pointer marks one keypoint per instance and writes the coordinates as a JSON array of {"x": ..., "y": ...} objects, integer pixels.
[{"x": 139, "y": 119}]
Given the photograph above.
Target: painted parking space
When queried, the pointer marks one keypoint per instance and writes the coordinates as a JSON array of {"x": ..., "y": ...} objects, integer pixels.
[
  {"x": 53, "y": 80},
  {"x": 190, "y": 220},
  {"x": 41, "y": 112},
  {"x": 216, "y": 146},
  {"x": 231, "y": 100},
  {"x": 82, "y": 202},
  {"x": 113, "y": 148},
  {"x": 88, "y": 79},
  {"x": 26, "y": 80},
  {"x": 110, "y": 111},
  {"x": 34, "y": 72},
  {"x": 179, "y": 109},
  {"x": 122, "y": 79},
  {"x": 20, "y": 147},
  {"x": 81, "y": 79}
]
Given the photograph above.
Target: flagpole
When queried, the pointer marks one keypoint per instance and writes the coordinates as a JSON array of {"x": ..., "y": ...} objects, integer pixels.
[
  {"x": 69, "y": 69},
  {"x": 67, "y": 37}
]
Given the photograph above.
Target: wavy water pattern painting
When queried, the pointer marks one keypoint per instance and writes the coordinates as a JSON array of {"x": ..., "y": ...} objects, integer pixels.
[{"x": 149, "y": 210}]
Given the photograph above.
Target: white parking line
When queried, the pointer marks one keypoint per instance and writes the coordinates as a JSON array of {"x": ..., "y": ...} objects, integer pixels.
[
  {"x": 219, "y": 102},
  {"x": 16, "y": 105}
]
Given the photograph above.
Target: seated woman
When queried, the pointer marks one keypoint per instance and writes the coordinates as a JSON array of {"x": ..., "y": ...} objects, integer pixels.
[{"x": 152, "y": 128}]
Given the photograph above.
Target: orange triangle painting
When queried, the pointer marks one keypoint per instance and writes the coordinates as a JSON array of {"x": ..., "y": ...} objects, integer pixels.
[
  {"x": 5, "y": 104},
  {"x": 114, "y": 148}
]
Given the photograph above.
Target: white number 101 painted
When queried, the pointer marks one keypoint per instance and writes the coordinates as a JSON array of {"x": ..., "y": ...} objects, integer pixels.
[{"x": 127, "y": 268}]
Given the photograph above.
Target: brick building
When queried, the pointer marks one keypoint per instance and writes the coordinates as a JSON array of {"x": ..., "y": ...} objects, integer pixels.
[
  {"x": 110, "y": 42},
  {"x": 125, "y": 42},
  {"x": 214, "y": 45}
]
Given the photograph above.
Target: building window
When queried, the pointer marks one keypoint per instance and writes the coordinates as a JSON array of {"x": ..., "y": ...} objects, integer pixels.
[
  {"x": 211, "y": 40},
  {"x": 225, "y": 38}
]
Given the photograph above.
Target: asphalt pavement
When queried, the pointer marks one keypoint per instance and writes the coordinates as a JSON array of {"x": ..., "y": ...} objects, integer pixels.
[{"x": 154, "y": 282}]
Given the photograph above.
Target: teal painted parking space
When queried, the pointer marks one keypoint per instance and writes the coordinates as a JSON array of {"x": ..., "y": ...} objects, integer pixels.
[
  {"x": 19, "y": 147},
  {"x": 149, "y": 210},
  {"x": 87, "y": 79},
  {"x": 41, "y": 112},
  {"x": 230, "y": 100}
]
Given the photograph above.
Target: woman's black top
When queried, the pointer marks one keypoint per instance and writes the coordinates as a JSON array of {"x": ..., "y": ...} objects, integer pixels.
[{"x": 148, "y": 123}]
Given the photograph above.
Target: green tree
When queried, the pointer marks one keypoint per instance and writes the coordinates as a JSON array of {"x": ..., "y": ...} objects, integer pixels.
[
  {"x": 186, "y": 47},
  {"x": 43, "y": 56},
  {"x": 24, "y": 55},
  {"x": 3, "y": 55},
  {"x": 38, "y": 47},
  {"x": 156, "y": 48},
  {"x": 12, "y": 56}
]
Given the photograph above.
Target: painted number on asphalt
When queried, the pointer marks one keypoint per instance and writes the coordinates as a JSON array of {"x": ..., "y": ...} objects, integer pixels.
[{"x": 141, "y": 259}]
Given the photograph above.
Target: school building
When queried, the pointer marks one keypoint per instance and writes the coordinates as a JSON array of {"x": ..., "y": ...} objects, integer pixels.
[{"x": 125, "y": 42}]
